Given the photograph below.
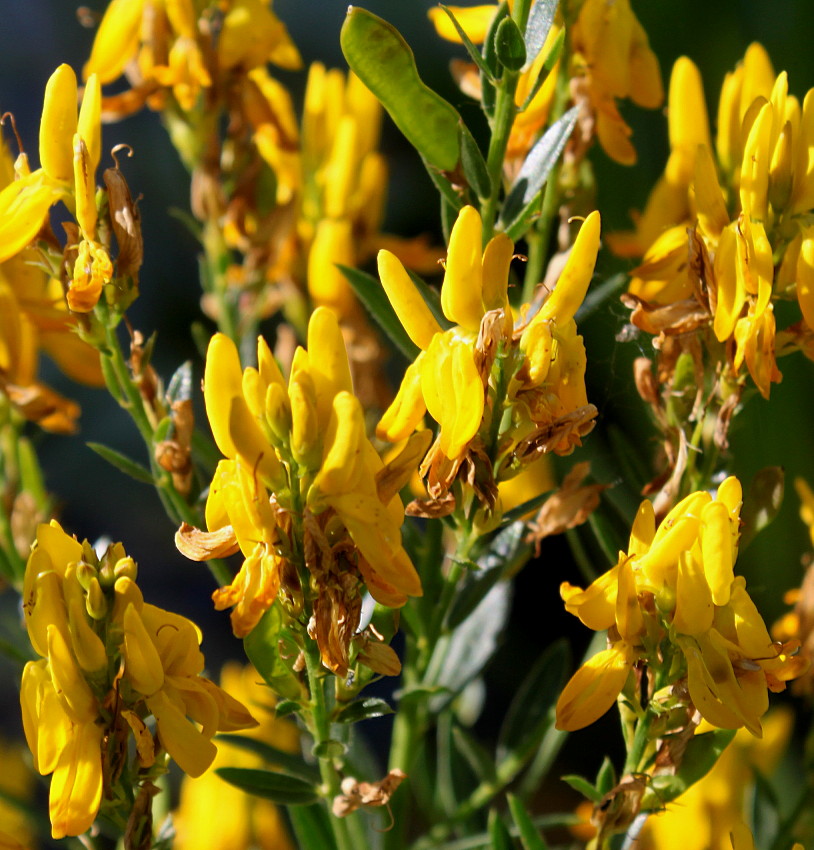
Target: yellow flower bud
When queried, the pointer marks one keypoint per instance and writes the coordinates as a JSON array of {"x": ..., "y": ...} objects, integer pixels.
[
  {"x": 406, "y": 410},
  {"x": 754, "y": 182},
  {"x": 125, "y": 567},
  {"x": 343, "y": 458},
  {"x": 305, "y": 436},
  {"x": 327, "y": 360},
  {"x": 413, "y": 313},
  {"x": 96, "y": 603},
  {"x": 87, "y": 645},
  {"x": 780, "y": 169},
  {"x": 89, "y": 125},
  {"x": 462, "y": 289},
  {"x": 58, "y": 125},
  {"x": 278, "y": 413},
  {"x": 84, "y": 188},
  {"x": 718, "y": 551}
]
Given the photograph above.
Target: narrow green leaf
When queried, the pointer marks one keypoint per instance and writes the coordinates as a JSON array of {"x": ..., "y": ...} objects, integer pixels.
[
  {"x": 481, "y": 762},
  {"x": 531, "y": 178},
  {"x": 474, "y": 165},
  {"x": 163, "y": 430},
  {"x": 488, "y": 90},
  {"x": 280, "y": 788},
  {"x": 606, "y": 777},
  {"x": 471, "y": 49},
  {"x": 123, "y": 463},
  {"x": 531, "y": 711},
  {"x": 510, "y": 48},
  {"x": 363, "y": 709},
  {"x": 31, "y": 472},
  {"x": 701, "y": 754},
  {"x": 530, "y": 837},
  {"x": 541, "y": 17},
  {"x": 312, "y": 827},
  {"x": 499, "y": 836},
  {"x": 287, "y": 762},
  {"x": 384, "y": 62},
  {"x": 372, "y": 295},
  {"x": 581, "y": 784}
]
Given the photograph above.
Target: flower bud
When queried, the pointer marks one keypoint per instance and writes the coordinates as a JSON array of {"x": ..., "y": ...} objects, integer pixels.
[
  {"x": 87, "y": 645},
  {"x": 96, "y": 604},
  {"x": 125, "y": 567},
  {"x": 85, "y": 574}
]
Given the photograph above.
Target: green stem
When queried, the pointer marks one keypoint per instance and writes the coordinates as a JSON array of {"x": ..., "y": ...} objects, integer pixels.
[
  {"x": 505, "y": 111},
  {"x": 540, "y": 235},
  {"x": 320, "y": 728}
]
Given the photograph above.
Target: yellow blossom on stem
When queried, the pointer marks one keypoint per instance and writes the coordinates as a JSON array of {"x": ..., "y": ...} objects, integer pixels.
[
  {"x": 108, "y": 661},
  {"x": 301, "y": 475},
  {"x": 674, "y": 604}
]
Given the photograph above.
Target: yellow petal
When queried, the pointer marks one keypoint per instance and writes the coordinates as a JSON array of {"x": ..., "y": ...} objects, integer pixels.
[
  {"x": 687, "y": 120},
  {"x": 69, "y": 682},
  {"x": 116, "y": 40},
  {"x": 24, "y": 206},
  {"x": 718, "y": 551},
  {"x": 142, "y": 663},
  {"x": 58, "y": 125},
  {"x": 731, "y": 292},
  {"x": 462, "y": 289},
  {"x": 805, "y": 277},
  {"x": 191, "y": 750},
  {"x": 343, "y": 460},
  {"x": 89, "y": 125},
  {"x": 406, "y": 410},
  {"x": 596, "y": 605},
  {"x": 415, "y": 316},
  {"x": 474, "y": 20},
  {"x": 333, "y": 244},
  {"x": 328, "y": 361},
  {"x": 754, "y": 181},
  {"x": 693, "y": 610},
  {"x": 223, "y": 381},
  {"x": 643, "y": 530}
]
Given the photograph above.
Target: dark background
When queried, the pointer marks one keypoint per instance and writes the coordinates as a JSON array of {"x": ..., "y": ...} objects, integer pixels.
[{"x": 36, "y": 35}]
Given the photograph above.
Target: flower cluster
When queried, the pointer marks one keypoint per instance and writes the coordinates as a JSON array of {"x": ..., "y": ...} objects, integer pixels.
[
  {"x": 108, "y": 662},
  {"x": 725, "y": 234},
  {"x": 502, "y": 393},
  {"x": 303, "y": 493},
  {"x": 673, "y": 605}
]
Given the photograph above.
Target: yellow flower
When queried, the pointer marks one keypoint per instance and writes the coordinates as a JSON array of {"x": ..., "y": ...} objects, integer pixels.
[
  {"x": 108, "y": 661},
  {"x": 742, "y": 198},
  {"x": 299, "y": 464},
  {"x": 219, "y": 816},
  {"x": 450, "y": 378},
  {"x": 677, "y": 582}
]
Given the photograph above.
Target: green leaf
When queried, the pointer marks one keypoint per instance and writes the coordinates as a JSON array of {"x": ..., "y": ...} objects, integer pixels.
[
  {"x": 499, "y": 836},
  {"x": 280, "y": 788},
  {"x": 474, "y": 165},
  {"x": 287, "y": 762},
  {"x": 606, "y": 777},
  {"x": 531, "y": 712},
  {"x": 372, "y": 295},
  {"x": 31, "y": 472},
  {"x": 521, "y": 200},
  {"x": 432, "y": 298},
  {"x": 581, "y": 784},
  {"x": 384, "y": 62},
  {"x": 471, "y": 49},
  {"x": 481, "y": 762},
  {"x": 541, "y": 17},
  {"x": 163, "y": 430},
  {"x": 461, "y": 655},
  {"x": 123, "y": 463},
  {"x": 312, "y": 827},
  {"x": 488, "y": 90},
  {"x": 363, "y": 709},
  {"x": 285, "y": 707},
  {"x": 530, "y": 837},
  {"x": 265, "y": 646},
  {"x": 761, "y": 503},
  {"x": 764, "y": 810},
  {"x": 501, "y": 558},
  {"x": 510, "y": 48},
  {"x": 700, "y": 755}
]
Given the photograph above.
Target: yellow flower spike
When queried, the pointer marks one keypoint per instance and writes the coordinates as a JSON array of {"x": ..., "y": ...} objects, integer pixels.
[
  {"x": 74, "y": 692},
  {"x": 497, "y": 257},
  {"x": 462, "y": 289},
  {"x": 415, "y": 316},
  {"x": 805, "y": 276},
  {"x": 694, "y": 609},
  {"x": 88, "y": 647},
  {"x": 223, "y": 380},
  {"x": 343, "y": 459},
  {"x": 76, "y": 786},
  {"x": 643, "y": 530},
  {"x": 569, "y": 293},
  {"x": 89, "y": 124},
  {"x": 406, "y": 410},
  {"x": 189, "y": 748},
  {"x": 142, "y": 663},
  {"x": 328, "y": 360},
  {"x": 593, "y": 689},
  {"x": 58, "y": 125},
  {"x": 731, "y": 284},
  {"x": 718, "y": 550},
  {"x": 688, "y": 125},
  {"x": 85, "y": 188},
  {"x": 453, "y": 391},
  {"x": 24, "y": 206},
  {"x": 754, "y": 179},
  {"x": 709, "y": 199},
  {"x": 629, "y": 619},
  {"x": 596, "y": 605},
  {"x": 116, "y": 40},
  {"x": 333, "y": 244}
]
